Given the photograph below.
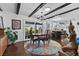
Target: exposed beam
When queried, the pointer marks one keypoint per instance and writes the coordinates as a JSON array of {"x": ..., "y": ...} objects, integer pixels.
[
  {"x": 39, "y": 7},
  {"x": 1, "y": 9},
  {"x": 64, "y": 12},
  {"x": 69, "y": 11},
  {"x": 18, "y": 8},
  {"x": 62, "y": 6}
]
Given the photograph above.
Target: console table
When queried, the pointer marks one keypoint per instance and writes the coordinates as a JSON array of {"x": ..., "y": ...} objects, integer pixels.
[{"x": 3, "y": 44}]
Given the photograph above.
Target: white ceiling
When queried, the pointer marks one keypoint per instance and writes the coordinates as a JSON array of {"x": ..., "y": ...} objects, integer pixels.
[
  {"x": 9, "y": 7},
  {"x": 28, "y": 8},
  {"x": 50, "y": 5},
  {"x": 69, "y": 7}
]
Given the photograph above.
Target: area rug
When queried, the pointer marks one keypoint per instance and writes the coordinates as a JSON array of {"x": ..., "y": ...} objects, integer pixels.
[{"x": 48, "y": 49}]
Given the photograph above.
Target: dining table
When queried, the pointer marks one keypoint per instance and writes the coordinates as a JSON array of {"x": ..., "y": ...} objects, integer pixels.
[{"x": 39, "y": 36}]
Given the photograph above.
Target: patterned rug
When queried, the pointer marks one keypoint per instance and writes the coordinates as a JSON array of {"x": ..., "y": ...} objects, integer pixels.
[{"x": 47, "y": 49}]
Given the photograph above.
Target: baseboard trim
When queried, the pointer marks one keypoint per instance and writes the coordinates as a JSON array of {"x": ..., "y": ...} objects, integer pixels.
[{"x": 21, "y": 40}]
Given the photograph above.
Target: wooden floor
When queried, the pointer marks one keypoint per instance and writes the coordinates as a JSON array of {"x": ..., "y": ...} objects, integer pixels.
[{"x": 16, "y": 50}]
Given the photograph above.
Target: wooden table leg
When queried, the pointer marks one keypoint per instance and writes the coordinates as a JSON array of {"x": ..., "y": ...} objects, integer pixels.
[
  {"x": 78, "y": 50},
  {"x": 38, "y": 42}
]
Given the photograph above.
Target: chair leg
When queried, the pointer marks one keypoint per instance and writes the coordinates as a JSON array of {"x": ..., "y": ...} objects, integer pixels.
[
  {"x": 38, "y": 43},
  {"x": 48, "y": 42},
  {"x": 44, "y": 43},
  {"x": 76, "y": 53},
  {"x": 33, "y": 42}
]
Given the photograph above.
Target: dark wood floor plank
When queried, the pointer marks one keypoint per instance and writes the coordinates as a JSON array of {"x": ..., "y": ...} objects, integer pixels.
[{"x": 18, "y": 50}]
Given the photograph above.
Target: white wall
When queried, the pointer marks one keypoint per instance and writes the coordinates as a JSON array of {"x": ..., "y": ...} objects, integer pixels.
[{"x": 7, "y": 18}]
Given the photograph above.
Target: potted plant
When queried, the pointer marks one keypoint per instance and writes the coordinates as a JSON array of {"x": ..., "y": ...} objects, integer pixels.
[{"x": 11, "y": 35}]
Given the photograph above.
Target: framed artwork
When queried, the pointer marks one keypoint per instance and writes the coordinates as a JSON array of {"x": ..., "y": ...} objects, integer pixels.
[
  {"x": 1, "y": 22},
  {"x": 16, "y": 24}
]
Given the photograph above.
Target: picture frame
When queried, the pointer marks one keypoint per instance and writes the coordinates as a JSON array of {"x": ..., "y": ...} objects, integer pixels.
[
  {"x": 1, "y": 23},
  {"x": 16, "y": 24}
]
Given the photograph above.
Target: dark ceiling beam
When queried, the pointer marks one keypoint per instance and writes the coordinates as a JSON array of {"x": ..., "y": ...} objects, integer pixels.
[
  {"x": 1, "y": 9},
  {"x": 69, "y": 11},
  {"x": 62, "y": 6},
  {"x": 39, "y": 7},
  {"x": 18, "y": 8},
  {"x": 63, "y": 12}
]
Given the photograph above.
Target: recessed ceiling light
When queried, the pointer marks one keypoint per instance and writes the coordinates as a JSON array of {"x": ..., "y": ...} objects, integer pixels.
[
  {"x": 41, "y": 12},
  {"x": 38, "y": 16},
  {"x": 47, "y": 9}
]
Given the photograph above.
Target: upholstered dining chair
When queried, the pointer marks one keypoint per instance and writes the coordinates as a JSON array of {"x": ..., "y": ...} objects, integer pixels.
[{"x": 46, "y": 38}]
